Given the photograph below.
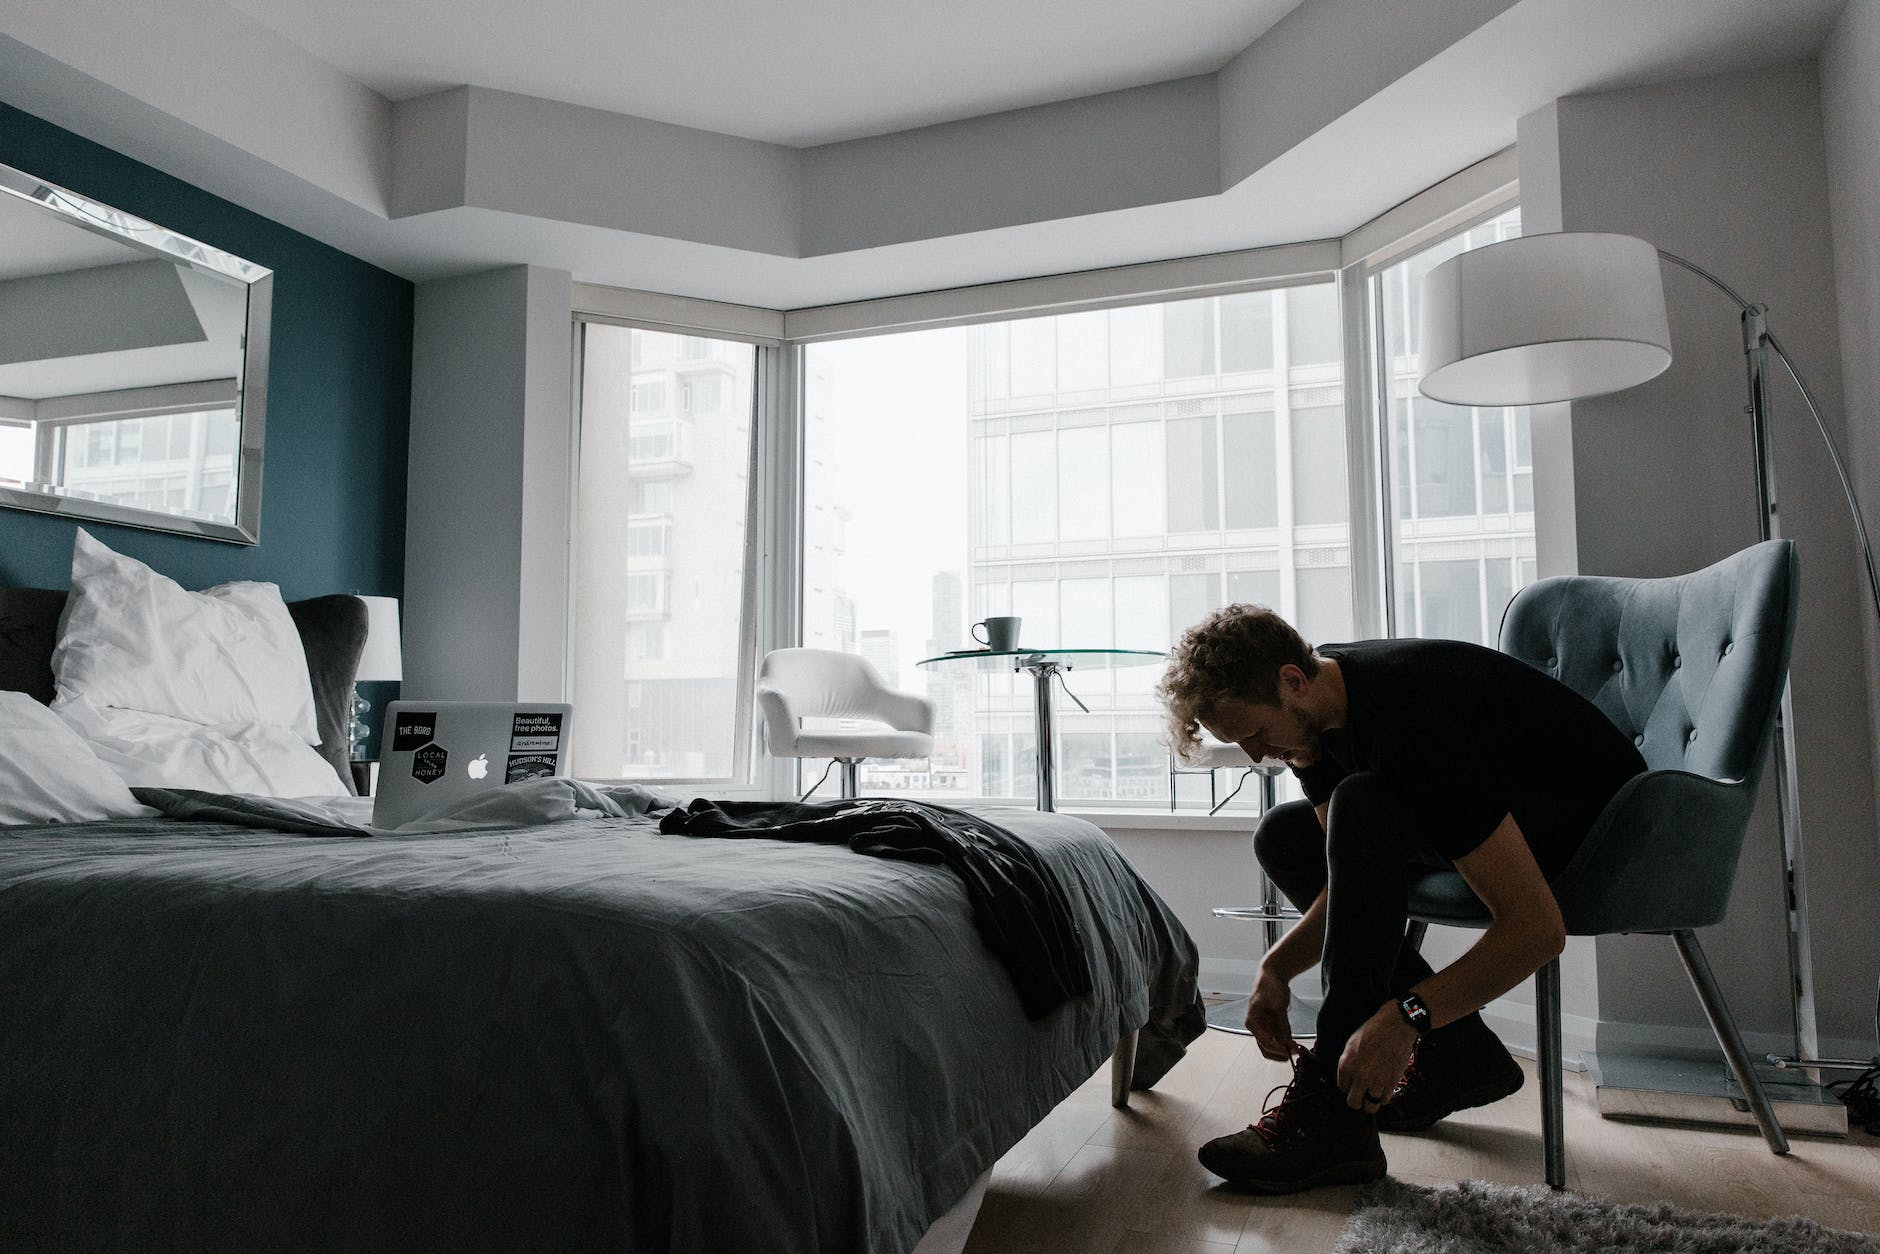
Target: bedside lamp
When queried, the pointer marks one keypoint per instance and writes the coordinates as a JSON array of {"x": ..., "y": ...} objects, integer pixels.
[{"x": 380, "y": 661}]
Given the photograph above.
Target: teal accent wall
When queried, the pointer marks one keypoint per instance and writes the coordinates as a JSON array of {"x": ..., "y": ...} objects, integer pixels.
[{"x": 339, "y": 396}]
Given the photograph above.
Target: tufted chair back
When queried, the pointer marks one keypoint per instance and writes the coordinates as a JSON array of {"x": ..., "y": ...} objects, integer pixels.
[{"x": 1690, "y": 667}]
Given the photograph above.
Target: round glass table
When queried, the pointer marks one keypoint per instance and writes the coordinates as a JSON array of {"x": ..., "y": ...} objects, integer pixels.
[{"x": 1045, "y": 665}]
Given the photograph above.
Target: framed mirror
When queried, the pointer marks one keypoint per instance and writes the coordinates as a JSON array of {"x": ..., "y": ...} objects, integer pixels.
[{"x": 133, "y": 368}]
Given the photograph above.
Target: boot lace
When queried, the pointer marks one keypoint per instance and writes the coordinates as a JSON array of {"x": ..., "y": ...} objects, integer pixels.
[
  {"x": 1412, "y": 1078},
  {"x": 1287, "y": 1119}
]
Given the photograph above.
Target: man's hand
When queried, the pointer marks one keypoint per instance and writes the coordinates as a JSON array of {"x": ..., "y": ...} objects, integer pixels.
[
  {"x": 1267, "y": 1018},
  {"x": 1375, "y": 1058}
]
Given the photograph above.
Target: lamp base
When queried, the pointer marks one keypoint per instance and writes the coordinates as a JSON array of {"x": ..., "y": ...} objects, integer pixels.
[{"x": 1698, "y": 1088}]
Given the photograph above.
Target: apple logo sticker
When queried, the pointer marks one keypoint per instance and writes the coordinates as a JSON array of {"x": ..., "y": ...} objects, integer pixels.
[{"x": 480, "y": 766}]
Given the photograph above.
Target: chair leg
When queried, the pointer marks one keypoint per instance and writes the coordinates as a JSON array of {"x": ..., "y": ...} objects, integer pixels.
[
  {"x": 1553, "y": 1105},
  {"x": 851, "y": 770},
  {"x": 1698, "y": 968},
  {"x": 1414, "y": 934},
  {"x": 1123, "y": 1070}
]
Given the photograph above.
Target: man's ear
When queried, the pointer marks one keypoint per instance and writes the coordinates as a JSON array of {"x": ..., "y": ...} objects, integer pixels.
[{"x": 1291, "y": 679}]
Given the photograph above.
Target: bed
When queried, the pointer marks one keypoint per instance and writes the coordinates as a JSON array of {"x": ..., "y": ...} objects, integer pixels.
[{"x": 580, "y": 1035}]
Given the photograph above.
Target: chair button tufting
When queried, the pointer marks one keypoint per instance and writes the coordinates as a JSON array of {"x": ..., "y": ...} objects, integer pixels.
[
  {"x": 1552, "y": 662},
  {"x": 1727, "y": 647},
  {"x": 1639, "y": 741},
  {"x": 1676, "y": 661},
  {"x": 1617, "y": 666},
  {"x": 1692, "y": 736}
]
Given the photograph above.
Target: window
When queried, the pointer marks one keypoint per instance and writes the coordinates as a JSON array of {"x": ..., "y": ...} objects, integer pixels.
[
  {"x": 661, "y": 555},
  {"x": 1107, "y": 476},
  {"x": 646, "y": 593},
  {"x": 702, "y": 394},
  {"x": 652, "y": 496},
  {"x": 16, "y": 453},
  {"x": 649, "y": 537},
  {"x": 1462, "y": 482},
  {"x": 180, "y": 463}
]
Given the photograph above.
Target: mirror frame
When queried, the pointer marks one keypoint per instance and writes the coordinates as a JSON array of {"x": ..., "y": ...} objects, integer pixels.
[{"x": 251, "y": 396}]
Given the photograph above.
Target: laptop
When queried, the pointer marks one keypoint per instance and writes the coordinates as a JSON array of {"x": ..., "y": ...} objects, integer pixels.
[{"x": 438, "y": 753}]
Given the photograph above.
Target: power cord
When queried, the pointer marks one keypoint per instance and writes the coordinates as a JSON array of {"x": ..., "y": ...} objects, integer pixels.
[
  {"x": 1861, "y": 1096},
  {"x": 1240, "y": 783},
  {"x": 819, "y": 783}
]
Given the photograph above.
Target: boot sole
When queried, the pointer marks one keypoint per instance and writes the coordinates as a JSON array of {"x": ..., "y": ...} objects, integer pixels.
[
  {"x": 1344, "y": 1173},
  {"x": 1487, "y": 1095}
]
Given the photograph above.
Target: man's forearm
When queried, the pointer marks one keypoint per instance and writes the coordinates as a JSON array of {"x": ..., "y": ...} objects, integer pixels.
[
  {"x": 1506, "y": 953},
  {"x": 1300, "y": 949}
]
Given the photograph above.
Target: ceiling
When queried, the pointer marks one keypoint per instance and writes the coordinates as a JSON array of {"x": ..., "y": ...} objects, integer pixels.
[
  {"x": 760, "y": 152},
  {"x": 787, "y": 73}
]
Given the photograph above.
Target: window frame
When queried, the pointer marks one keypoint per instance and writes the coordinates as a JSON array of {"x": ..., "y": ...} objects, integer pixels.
[
  {"x": 755, "y": 775},
  {"x": 775, "y": 525},
  {"x": 1367, "y": 408}
]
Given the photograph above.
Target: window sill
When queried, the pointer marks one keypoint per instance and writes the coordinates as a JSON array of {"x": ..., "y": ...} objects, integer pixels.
[{"x": 1240, "y": 822}]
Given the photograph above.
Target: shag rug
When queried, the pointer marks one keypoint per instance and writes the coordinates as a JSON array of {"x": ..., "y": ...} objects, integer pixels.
[{"x": 1473, "y": 1218}]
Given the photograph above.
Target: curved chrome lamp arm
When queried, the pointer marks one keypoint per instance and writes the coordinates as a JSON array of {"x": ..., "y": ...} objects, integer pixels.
[
  {"x": 1757, "y": 337},
  {"x": 1808, "y": 397}
]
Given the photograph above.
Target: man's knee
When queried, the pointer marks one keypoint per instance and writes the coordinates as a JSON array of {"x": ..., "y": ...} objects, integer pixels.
[
  {"x": 1289, "y": 835},
  {"x": 1363, "y": 789}
]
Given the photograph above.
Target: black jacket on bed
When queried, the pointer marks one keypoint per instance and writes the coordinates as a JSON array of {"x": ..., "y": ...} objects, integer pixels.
[{"x": 1018, "y": 905}]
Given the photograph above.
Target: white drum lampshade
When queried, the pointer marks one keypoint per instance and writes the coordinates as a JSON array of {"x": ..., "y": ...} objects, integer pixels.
[
  {"x": 1544, "y": 318},
  {"x": 384, "y": 655}
]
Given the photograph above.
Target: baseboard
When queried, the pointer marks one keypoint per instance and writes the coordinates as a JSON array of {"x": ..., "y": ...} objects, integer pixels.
[
  {"x": 1513, "y": 1021},
  {"x": 1679, "y": 1040},
  {"x": 1227, "y": 977}
]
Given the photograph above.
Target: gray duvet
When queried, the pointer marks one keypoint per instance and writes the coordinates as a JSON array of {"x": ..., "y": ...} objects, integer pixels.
[{"x": 576, "y": 1036}]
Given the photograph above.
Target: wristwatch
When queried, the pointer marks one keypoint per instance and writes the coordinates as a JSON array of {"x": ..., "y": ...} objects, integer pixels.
[{"x": 1415, "y": 1012}]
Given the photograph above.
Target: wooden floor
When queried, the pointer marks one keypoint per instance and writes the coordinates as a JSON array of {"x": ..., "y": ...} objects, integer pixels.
[{"x": 1092, "y": 1180}]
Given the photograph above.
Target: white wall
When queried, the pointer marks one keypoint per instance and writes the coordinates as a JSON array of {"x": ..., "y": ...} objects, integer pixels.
[
  {"x": 1730, "y": 172},
  {"x": 1850, "y": 108},
  {"x": 486, "y": 536}
]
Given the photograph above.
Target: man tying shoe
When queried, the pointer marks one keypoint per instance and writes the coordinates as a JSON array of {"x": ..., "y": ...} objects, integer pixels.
[{"x": 1413, "y": 754}]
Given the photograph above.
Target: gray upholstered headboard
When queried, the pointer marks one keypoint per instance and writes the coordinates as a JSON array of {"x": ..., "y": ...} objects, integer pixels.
[{"x": 332, "y": 632}]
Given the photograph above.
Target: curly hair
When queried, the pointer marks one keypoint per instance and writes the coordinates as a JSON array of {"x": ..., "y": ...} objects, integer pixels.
[{"x": 1236, "y": 651}]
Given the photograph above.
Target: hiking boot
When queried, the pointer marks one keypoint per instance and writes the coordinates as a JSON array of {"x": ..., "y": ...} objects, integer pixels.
[
  {"x": 1310, "y": 1138},
  {"x": 1454, "y": 1068}
]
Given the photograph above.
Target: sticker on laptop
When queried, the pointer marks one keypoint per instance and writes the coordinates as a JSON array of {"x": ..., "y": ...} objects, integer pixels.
[
  {"x": 428, "y": 763},
  {"x": 535, "y": 733},
  {"x": 529, "y": 766},
  {"x": 413, "y": 730}
]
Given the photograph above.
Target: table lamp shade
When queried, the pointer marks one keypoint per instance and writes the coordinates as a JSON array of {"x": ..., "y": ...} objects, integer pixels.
[
  {"x": 383, "y": 658},
  {"x": 1543, "y": 318}
]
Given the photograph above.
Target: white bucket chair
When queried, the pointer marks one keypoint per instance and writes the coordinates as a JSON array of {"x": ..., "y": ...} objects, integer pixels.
[
  {"x": 1209, "y": 757},
  {"x": 795, "y": 684}
]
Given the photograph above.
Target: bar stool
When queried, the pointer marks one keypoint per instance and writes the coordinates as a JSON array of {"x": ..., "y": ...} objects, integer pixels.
[{"x": 1272, "y": 913}]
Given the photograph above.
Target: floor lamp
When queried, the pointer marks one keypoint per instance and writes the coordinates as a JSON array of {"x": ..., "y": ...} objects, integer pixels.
[{"x": 1568, "y": 316}]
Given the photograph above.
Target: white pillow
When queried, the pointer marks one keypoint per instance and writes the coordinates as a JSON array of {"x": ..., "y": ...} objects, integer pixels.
[
  {"x": 131, "y": 638},
  {"x": 48, "y": 775},
  {"x": 156, "y": 751}
]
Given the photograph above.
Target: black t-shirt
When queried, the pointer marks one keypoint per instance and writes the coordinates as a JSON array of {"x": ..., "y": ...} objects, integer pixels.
[{"x": 1464, "y": 735}]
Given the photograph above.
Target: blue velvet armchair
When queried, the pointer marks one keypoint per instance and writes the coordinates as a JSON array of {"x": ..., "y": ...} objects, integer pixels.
[{"x": 1693, "y": 669}]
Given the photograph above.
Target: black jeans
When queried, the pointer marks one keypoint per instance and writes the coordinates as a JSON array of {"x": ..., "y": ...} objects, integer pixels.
[{"x": 1365, "y": 857}]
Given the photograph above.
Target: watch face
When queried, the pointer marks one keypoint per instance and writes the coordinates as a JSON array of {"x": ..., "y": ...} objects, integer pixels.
[{"x": 1415, "y": 1011}]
